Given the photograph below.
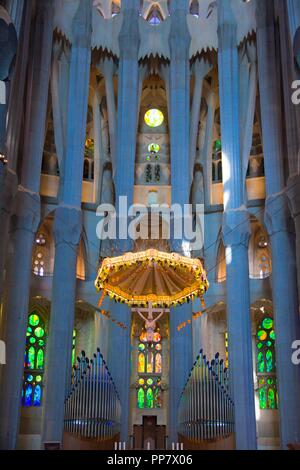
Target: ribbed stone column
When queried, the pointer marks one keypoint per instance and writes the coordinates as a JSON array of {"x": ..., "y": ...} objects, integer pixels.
[
  {"x": 181, "y": 362},
  {"x": 128, "y": 83},
  {"x": 25, "y": 219},
  {"x": 284, "y": 286},
  {"x": 179, "y": 115},
  {"x": 201, "y": 69},
  {"x": 68, "y": 228},
  {"x": 119, "y": 363},
  {"x": 179, "y": 124},
  {"x": 236, "y": 232},
  {"x": 107, "y": 67}
]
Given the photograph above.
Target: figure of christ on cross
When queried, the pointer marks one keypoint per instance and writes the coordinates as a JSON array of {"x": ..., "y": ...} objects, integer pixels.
[{"x": 150, "y": 321}]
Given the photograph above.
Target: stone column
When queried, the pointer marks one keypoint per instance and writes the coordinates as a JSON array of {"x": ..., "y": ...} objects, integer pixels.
[
  {"x": 179, "y": 124},
  {"x": 236, "y": 232},
  {"x": 292, "y": 119},
  {"x": 284, "y": 287},
  {"x": 201, "y": 69},
  {"x": 179, "y": 102},
  {"x": 25, "y": 222},
  {"x": 181, "y": 362},
  {"x": 107, "y": 67},
  {"x": 119, "y": 364},
  {"x": 128, "y": 84},
  {"x": 68, "y": 228}
]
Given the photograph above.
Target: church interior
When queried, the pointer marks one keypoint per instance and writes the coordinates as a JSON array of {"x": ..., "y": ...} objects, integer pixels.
[{"x": 150, "y": 343}]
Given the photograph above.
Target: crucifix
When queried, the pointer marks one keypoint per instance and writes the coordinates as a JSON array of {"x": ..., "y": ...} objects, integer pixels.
[{"x": 150, "y": 321}]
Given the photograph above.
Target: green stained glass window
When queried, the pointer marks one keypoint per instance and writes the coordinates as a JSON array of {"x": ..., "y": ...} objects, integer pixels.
[
  {"x": 262, "y": 398},
  {"x": 74, "y": 347},
  {"x": 149, "y": 398},
  {"x": 266, "y": 365},
  {"x": 260, "y": 362},
  {"x": 34, "y": 320},
  {"x": 267, "y": 323},
  {"x": 269, "y": 360},
  {"x": 40, "y": 359},
  {"x": 271, "y": 399},
  {"x": 39, "y": 332},
  {"x": 34, "y": 361},
  {"x": 31, "y": 357},
  {"x": 141, "y": 398}
]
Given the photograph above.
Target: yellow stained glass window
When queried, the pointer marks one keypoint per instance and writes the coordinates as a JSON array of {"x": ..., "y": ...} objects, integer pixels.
[{"x": 154, "y": 118}]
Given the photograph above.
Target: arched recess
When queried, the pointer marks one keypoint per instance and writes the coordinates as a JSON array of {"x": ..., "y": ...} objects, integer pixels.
[
  {"x": 221, "y": 261},
  {"x": 43, "y": 254},
  {"x": 260, "y": 263},
  {"x": 259, "y": 254}
]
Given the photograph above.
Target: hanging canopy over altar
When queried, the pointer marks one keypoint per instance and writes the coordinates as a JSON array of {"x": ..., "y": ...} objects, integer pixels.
[{"x": 164, "y": 279}]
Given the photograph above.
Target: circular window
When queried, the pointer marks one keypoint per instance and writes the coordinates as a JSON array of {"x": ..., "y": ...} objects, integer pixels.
[
  {"x": 154, "y": 118},
  {"x": 153, "y": 148}
]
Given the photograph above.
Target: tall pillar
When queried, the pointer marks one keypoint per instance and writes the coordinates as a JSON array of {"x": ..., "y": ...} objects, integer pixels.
[
  {"x": 179, "y": 102},
  {"x": 107, "y": 67},
  {"x": 236, "y": 232},
  {"x": 119, "y": 366},
  {"x": 68, "y": 229},
  {"x": 128, "y": 84},
  {"x": 292, "y": 119},
  {"x": 8, "y": 182},
  {"x": 201, "y": 69},
  {"x": 284, "y": 287},
  {"x": 179, "y": 124},
  {"x": 181, "y": 362},
  {"x": 208, "y": 145},
  {"x": 25, "y": 222}
]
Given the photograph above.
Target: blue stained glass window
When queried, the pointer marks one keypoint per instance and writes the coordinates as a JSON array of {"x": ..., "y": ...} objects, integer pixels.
[
  {"x": 28, "y": 395},
  {"x": 37, "y": 395}
]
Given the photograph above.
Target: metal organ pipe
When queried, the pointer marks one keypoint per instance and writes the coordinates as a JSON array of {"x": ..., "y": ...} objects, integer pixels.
[
  {"x": 92, "y": 405},
  {"x": 205, "y": 409}
]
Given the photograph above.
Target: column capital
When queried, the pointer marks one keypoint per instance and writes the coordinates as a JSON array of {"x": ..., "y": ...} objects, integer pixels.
[
  {"x": 236, "y": 227},
  {"x": 26, "y": 211},
  {"x": 67, "y": 225},
  {"x": 276, "y": 213},
  {"x": 201, "y": 67},
  {"x": 293, "y": 194},
  {"x": 107, "y": 67}
]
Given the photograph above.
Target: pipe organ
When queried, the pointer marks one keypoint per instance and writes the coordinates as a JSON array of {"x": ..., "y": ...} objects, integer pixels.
[
  {"x": 92, "y": 404},
  {"x": 206, "y": 410}
]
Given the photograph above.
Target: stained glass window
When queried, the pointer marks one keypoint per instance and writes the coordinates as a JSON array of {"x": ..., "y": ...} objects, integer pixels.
[
  {"x": 40, "y": 257},
  {"x": 149, "y": 369},
  {"x": 266, "y": 365},
  {"x": 34, "y": 358},
  {"x": 154, "y": 118},
  {"x": 74, "y": 348}
]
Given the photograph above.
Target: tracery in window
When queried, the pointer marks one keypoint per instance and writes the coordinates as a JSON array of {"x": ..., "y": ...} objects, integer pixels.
[
  {"x": 34, "y": 360},
  {"x": 40, "y": 259},
  {"x": 266, "y": 364},
  {"x": 149, "y": 370}
]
